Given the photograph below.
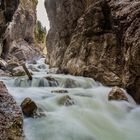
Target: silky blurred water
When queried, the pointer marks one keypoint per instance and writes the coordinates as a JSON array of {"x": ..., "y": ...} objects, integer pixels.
[{"x": 92, "y": 117}]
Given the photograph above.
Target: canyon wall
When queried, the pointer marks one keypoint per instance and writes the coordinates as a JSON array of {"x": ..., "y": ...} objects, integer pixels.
[
  {"x": 98, "y": 39},
  {"x": 17, "y": 38}
]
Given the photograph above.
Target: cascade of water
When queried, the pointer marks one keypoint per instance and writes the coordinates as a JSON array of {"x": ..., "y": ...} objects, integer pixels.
[{"x": 91, "y": 117}]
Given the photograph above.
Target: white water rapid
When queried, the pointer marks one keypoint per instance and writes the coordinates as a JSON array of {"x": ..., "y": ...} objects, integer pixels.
[{"x": 92, "y": 117}]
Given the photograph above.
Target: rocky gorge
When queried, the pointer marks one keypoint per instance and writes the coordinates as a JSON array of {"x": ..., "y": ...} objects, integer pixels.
[{"x": 96, "y": 39}]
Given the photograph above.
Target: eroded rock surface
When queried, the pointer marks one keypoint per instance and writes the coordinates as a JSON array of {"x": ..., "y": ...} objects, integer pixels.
[
  {"x": 11, "y": 120},
  {"x": 97, "y": 38}
]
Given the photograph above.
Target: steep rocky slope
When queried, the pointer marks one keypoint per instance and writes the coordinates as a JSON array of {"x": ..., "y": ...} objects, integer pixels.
[{"x": 97, "y": 38}]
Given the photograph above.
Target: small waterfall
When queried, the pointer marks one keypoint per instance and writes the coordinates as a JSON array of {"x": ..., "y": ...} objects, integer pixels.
[{"x": 90, "y": 116}]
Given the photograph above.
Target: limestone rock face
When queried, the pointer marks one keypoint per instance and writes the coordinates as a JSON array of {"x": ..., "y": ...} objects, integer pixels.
[
  {"x": 19, "y": 36},
  {"x": 11, "y": 120},
  {"x": 98, "y": 39}
]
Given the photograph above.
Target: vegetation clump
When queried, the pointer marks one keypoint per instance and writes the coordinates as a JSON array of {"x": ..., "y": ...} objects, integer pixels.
[{"x": 40, "y": 35}]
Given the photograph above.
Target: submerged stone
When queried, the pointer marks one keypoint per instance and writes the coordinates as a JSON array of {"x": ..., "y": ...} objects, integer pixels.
[
  {"x": 117, "y": 94},
  {"x": 29, "y": 107},
  {"x": 66, "y": 101},
  {"x": 59, "y": 91},
  {"x": 70, "y": 83},
  {"x": 52, "y": 81}
]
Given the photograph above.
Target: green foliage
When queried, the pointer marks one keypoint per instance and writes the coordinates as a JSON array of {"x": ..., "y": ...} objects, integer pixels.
[{"x": 40, "y": 33}]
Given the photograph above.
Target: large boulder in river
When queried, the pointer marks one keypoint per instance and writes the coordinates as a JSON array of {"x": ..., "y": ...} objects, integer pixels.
[
  {"x": 29, "y": 107},
  {"x": 117, "y": 94},
  {"x": 61, "y": 91},
  {"x": 11, "y": 119},
  {"x": 98, "y": 39}
]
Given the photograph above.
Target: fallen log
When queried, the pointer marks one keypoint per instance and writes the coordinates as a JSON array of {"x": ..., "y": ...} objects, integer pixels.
[{"x": 27, "y": 71}]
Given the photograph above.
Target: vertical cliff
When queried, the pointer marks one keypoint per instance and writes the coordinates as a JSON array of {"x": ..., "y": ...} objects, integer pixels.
[{"x": 97, "y": 38}]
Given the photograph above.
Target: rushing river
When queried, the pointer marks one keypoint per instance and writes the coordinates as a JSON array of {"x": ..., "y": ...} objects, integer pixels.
[{"x": 92, "y": 117}]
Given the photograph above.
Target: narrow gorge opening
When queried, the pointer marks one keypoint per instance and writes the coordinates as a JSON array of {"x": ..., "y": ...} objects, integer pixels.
[{"x": 42, "y": 26}]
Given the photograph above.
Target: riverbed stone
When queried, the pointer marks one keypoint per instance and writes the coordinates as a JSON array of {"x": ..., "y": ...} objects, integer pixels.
[
  {"x": 66, "y": 101},
  {"x": 117, "y": 94},
  {"x": 59, "y": 91},
  {"x": 29, "y": 107}
]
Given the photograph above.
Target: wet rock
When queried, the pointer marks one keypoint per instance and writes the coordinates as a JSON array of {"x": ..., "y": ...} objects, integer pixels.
[
  {"x": 117, "y": 94},
  {"x": 18, "y": 71},
  {"x": 29, "y": 107},
  {"x": 52, "y": 81},
  {"x": 66, "y": 101},
  {"x": 59, "y": 91},
  {"x": 33, "y": 68},
  {"x": 70, "y": 83},
  {"x": 11, "y": 119}
]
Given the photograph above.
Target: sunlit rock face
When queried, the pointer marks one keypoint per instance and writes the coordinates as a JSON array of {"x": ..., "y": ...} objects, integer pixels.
[{"x": 97, "y": 38}]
